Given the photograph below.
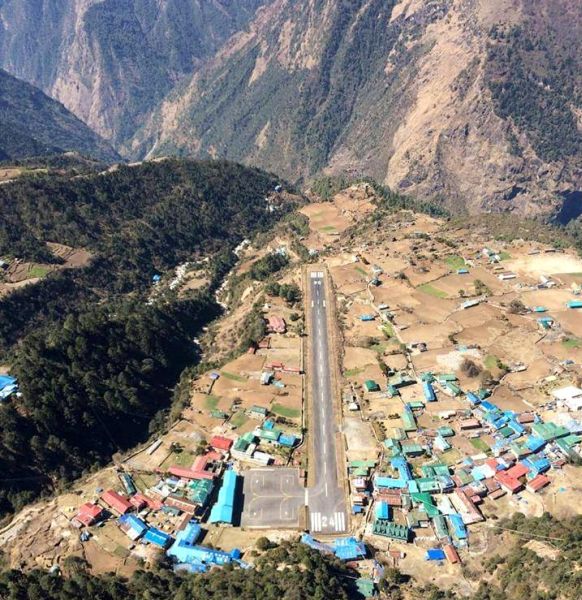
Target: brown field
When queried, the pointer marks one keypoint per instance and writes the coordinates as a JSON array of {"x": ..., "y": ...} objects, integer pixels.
[
  {"x": 358, "y": 357},
  {"x": 570, "y": 320},
  {"x": 436, "y": 272},
  {"x": 553, "y": 300},
  {"x": 433, "y": 310},
  {"x": 545, "y": 264},
  {"x": 361, "y": 444},
  {"x": 483, "y": 335},
  {"x": 516, "y": 345},
  {"x": 507, "y": 399},
  {"x": 326, "y": 218},
  {"x": 435, "y": 336}
]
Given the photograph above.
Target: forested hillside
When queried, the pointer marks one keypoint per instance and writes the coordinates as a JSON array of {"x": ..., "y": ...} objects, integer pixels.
[
  {"x": 95, "y": 362},
  {"x": 287, "y": 571},
  {"x": 32, "y": 124}
]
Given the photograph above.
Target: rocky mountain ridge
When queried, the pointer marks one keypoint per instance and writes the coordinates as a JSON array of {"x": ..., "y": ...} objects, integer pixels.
[{"x": 476, "y": 104}]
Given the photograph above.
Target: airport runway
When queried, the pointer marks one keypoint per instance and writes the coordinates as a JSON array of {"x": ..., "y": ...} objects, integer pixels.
[
  {"x": 326, "y": 501},
  {"x": 273, "y": 497}
]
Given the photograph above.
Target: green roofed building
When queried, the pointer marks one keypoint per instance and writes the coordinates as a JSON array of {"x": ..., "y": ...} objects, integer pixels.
[
  {"x": 446, "y": 431},
  {"x": 464, "y": 477},
  {"x": 451, "y": 377},
  {"x": 441, "y": 470},
  {"x": 412, "y": 449},
  {"x": 366, "y": 587},
  {"x": 361, "y": 468},
  {"x": 440, "y": 526},
  {"x": 416, "y": 404},
  {"x": 565, "y": 447},
  {"x": 399, "y": 433},
  {"x": 402, "y": 380},
  {"x": 519, "y": 450},
  {"x": 241, "y": 445},
  {"x": 391, "y": 530},
  {"x": 572, "y": 439},
  {"x": 371, "y": 385},
  {"x": 425, "y": 501},
  {"x": 200, "y": 490},
  {"x": 270, "y": 435},
  {"x": 408, "y": 420},
  {"x": 392, "y": 391},
  {"x": 428, "y": 484},
  {"x": 549, "y": 431},
  {"x": 258, "y": 411}
]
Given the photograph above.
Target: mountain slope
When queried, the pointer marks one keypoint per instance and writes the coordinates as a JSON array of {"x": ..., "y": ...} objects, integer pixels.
[
  {"x": 95, "y": 355},
  {"x": 32, "y": 124},
  {"x": 111, "y": 61},
  {"x": 476, "y": 103}
]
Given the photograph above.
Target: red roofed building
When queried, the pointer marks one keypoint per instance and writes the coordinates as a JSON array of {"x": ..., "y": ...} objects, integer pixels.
[
  {"x": 508, "y": 483},
  {"x": 221, "y": 443},
  {"x": 392, "y": 498},
  {"x": 180, "y": 503},
  {"x": 138, "y": 502},
  {"x": 492, "y": 464},
  {"x": 183, "y": 473},
  {"x": 497, "y": 494},
  {"x": 116, "y": 501},
  {"x": 451, "y": 554},
  {"x": 537, "y": 483},
  {"x": 491, "y": 484},
  {"x": 276, "y": 325},
  {"x": 88, "y": 514},
  {"x": 141, "y": 501},
  {"x": 517, "y": 471},
  {"x": 200, "y": 466}
]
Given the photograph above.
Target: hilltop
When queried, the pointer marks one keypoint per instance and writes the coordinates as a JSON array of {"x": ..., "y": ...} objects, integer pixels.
[{"x": 32, "y": 124}]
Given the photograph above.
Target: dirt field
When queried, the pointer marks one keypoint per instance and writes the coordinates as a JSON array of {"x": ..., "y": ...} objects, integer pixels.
[{"x": 545, "y": 264}]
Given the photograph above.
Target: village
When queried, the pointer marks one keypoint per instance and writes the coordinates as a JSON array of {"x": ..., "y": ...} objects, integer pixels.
[{"x": 461, "y": 395}]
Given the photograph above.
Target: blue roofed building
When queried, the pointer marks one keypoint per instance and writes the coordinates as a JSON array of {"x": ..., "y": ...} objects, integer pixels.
[
  {"x": 157, "y": 538},
  {"x": 537, "y": 464},
  {"x": 185, "y": 551},
  {"x": 389, "y": 483},
  {"x": 399, "y": 463},
  {"x": 223, "y": 511},
  {"x": 534, "y": 443},
  {"x": 457, "y": 528},
  {"x": 429, "y": 392},
  {"x": 349, "y": 548},
  {"x": 435, "y": 554},
  {"x": 287, "y": 440},
  {"x": 185, "y": 540},
  {"x": 383, "y": 511},
  {"x": 132, "y": 526},
  {"x": 473, "y": 399},
  {"x": 8, "y": 386}
]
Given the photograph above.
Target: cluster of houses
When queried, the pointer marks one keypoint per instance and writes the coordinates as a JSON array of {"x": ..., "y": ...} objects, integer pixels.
[
  {"x": 416, "y": 489},
  {"x": 206, "y": 492}
]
